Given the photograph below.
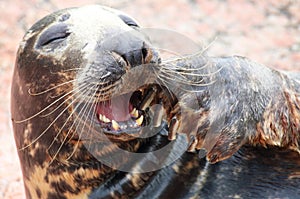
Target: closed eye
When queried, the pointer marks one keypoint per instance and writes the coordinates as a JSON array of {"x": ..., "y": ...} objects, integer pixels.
[
  {"x": 54, "y": 34},
  {"x": 129, "y": 21}
]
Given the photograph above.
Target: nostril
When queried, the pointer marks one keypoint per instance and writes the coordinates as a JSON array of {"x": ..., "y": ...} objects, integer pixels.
[
  {"x": 159, "y": 60},
  {"x": 125, "y": 60},
  {"x": 144, "y": 53}
]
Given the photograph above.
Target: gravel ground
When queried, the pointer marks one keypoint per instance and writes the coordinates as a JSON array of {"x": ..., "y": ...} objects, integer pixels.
[{"x": 265, "y": 31}]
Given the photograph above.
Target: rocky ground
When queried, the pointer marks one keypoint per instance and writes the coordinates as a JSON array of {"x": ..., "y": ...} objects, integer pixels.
[{"x": 265, "y": 31}]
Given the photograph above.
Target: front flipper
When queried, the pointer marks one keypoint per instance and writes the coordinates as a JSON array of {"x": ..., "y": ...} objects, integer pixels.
[{"x": 225, "y": 146}]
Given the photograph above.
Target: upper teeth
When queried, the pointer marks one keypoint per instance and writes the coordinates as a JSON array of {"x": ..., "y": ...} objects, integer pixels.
[
  {"x": 134, "y": 113},
  {"x": 148, "y": 99}
]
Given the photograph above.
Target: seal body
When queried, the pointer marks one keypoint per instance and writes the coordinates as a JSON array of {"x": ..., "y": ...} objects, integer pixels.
[
  {"x": 67, "y": 122},
  {"x": 236, "y": 102}
]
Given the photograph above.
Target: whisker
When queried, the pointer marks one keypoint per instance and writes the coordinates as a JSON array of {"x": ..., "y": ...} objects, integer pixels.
[
  {"x": 164, "y": 83},
  {"x": 91, "y": 102},
  {"x": 109, "y": 87},
  {"x": 194, "y": 74},
  {"x": 170, "y": 80},
  {"x": 78, "y": 97},
  {"x": 195, "y": 54},
  {"x": 66, "y": 70},
  {"x": 96, "y": 83},
  {"x": 37, "y": 138},
  {"x": 66, "y": 136},
  {"x": 64, "y": 101},
  {"x": 169, "y": 72},
  {"x": 173, "y": 53},
  {"x": 48, "y": 106},
  {"x": 52, "y": 88},
  {"x": 44, "y": 109},
  {"x": 183, "y": 81},
  {"x": 173, "y": 66}
]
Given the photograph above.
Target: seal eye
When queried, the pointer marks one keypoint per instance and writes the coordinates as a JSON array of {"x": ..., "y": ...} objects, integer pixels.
[
  {"x": 54, "y": 34},
  {"x": 129, "y": 21}
]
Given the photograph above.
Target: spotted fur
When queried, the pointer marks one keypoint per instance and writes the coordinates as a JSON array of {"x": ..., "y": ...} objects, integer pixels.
[{"x": 251, "y": 105}]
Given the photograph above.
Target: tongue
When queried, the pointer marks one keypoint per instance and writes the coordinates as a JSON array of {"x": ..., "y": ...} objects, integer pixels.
[{"x": 118, "y": 108}]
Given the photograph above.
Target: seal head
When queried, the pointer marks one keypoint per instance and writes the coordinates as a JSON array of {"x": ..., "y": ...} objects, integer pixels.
[{"x": 67, "y": 65}]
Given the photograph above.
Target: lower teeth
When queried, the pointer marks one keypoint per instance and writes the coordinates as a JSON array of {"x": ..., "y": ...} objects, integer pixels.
[
  {"x": 115, "y": 125},
  {"x": 123, "y": 125},
  {"x": 140, "y": 120}
]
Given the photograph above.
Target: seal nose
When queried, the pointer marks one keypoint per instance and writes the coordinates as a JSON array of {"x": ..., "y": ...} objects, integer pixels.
[{"x": 143, "y": 55}]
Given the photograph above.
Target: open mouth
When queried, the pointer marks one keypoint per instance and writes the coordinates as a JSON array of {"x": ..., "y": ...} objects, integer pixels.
[{"x": 126, "y": 113}]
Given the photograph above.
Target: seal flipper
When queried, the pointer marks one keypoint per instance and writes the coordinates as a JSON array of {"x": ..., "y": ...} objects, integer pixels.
[{"x": 225, "y": 147}]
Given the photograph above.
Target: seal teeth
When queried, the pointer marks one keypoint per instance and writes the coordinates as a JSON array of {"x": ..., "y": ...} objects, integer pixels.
[
  {"x": 140, "y": 120},
  {"x": 148, "y": 99},
  {"x": 115, "y": 125},
  {"x": 135, "y": 113},
  {"x": 100, "y": 117},
  {"x": 103, "y": 118}
]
